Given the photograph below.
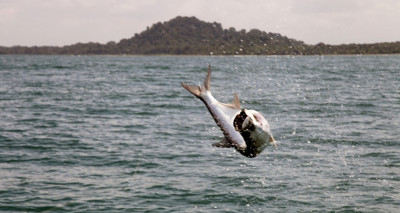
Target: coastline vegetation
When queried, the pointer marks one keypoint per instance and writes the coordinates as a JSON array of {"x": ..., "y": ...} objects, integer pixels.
[{"x": 191, "y": 36}]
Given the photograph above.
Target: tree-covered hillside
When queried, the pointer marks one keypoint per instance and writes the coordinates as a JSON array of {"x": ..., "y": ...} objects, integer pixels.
[{"x": 191, "y": 36}]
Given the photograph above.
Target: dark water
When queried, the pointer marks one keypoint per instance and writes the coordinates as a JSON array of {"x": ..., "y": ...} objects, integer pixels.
[{"x": 119, "y": 134}]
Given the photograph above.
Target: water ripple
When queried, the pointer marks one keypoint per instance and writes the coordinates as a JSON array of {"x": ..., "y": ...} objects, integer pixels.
[{"x": 119, "y": 134}]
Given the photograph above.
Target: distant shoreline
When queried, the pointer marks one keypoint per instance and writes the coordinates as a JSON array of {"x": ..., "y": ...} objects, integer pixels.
[{"x": 191, "y": 36}]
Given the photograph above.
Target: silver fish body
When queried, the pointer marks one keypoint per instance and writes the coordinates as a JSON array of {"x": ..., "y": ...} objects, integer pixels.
[{"x": 245, "y": 130}]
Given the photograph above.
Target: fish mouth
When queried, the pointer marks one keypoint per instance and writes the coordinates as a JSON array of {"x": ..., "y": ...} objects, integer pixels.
[
  {"x": 239, "y": 120},
  {"x": 244, "y": 121}
]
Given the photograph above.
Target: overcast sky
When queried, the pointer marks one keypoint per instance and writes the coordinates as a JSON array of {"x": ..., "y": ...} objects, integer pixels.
[{"x": 63, "y": 22}]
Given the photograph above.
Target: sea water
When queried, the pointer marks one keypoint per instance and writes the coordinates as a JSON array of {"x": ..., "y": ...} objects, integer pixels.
[{"x": 119, "y": 134}]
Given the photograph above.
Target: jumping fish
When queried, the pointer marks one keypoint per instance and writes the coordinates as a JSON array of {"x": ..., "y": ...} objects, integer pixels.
[{"x": 245, "y": 130}]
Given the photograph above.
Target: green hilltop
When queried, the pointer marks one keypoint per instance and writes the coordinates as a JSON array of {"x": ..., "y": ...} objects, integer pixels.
[{"x": 191, "y": 36}]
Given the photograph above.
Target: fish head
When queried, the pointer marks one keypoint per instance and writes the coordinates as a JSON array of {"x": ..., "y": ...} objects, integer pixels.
[
  {"x": 255, "y": 123},
  {"x": 252, "y": 119}
]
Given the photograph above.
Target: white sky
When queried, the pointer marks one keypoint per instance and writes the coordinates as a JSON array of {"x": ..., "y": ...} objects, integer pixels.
[{"x": 63, "y": 22}]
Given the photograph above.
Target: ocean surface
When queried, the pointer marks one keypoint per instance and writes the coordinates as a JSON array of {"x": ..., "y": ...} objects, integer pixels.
[{"x": 119, "y": 134}]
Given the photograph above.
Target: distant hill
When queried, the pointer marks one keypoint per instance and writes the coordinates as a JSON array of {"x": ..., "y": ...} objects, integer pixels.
[{"x": 191, "y": 36}]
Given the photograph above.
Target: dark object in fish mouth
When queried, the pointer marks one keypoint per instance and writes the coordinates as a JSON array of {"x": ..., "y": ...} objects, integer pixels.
[{"x": 239, "y": 119}]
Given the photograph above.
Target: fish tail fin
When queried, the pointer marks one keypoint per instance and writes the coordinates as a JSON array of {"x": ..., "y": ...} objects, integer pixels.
[
  {"x": 207, "y": 80},
  {"x": 198, "y": 90}
]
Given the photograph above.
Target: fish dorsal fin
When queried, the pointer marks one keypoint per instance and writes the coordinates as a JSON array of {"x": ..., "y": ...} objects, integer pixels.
[{"x": 236, "y": 101}]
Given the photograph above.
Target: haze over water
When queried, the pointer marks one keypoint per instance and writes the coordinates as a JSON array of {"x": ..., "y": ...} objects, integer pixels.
[{"x": 119, "y": 134}]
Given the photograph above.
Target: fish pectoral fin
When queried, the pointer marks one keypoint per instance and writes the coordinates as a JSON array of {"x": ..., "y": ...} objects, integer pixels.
[
  {"x": 273, "y": 142},
  {"x": 224, "y": 143}
]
